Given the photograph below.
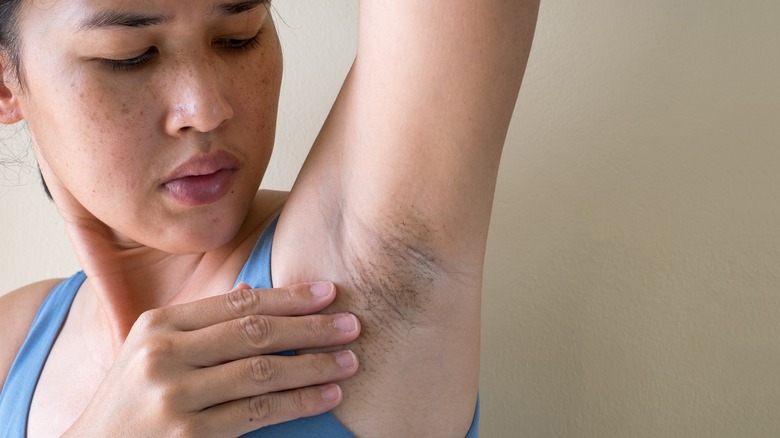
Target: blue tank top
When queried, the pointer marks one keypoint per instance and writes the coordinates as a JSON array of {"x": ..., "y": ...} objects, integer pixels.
[{"x": 22, "y": 379}]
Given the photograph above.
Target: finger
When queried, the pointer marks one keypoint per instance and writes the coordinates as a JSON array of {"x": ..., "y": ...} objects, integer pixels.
[
  {"x": 259, "y": 334},
  {"x": 243, "y": 416},
  {"x": 299, "y": 299},
  {"x": 263, "y": 375}
]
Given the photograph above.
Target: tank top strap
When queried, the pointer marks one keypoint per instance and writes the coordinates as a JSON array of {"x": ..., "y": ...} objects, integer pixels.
[
  {"x": 257, "y": 269},
  {"x": 23, "y": 376}
]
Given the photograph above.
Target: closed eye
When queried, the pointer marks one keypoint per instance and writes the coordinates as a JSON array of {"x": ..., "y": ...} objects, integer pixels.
[
  {"x": 139, "y": 61},
  {"x": 238, "y": 44},
  {"x": 130, "y": 63}
]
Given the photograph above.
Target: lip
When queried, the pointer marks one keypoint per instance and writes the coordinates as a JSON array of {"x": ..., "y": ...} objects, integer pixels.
[{"x": 203, "y": 179}]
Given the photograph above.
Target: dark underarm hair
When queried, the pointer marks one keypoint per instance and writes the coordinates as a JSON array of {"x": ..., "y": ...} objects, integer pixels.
[{"x": 393, "y": 273}]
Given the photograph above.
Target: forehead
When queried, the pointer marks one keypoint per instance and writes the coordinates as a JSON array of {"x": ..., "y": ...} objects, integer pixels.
[{"x": 80, "y": 15}]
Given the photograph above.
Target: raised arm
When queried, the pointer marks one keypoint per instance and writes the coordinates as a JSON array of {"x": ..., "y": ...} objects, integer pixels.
[
  {"x": 427, "y": 109},
  {"x": 421, "y": 121},
  {"x": 394, "y": 201},
  {"x": 414, "y": 140}
]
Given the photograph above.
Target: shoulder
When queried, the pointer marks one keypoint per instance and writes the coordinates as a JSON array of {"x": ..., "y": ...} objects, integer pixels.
[
  {"x": 17, "y": 311},
  {"x": 266, "y": 206}
]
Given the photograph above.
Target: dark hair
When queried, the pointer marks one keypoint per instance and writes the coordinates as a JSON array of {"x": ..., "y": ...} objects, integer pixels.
[
  {"x": 9, "y": 34},
  {"x": 9, "y": 45}
]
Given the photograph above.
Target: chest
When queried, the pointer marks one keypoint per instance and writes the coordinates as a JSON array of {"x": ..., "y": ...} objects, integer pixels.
[{"x": 72, "y": 373}]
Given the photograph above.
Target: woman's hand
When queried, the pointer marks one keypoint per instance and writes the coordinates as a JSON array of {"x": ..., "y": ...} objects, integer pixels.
[{"x": 198, "y": 369}]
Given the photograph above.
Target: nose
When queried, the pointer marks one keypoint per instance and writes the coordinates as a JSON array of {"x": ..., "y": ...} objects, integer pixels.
[{"x": 197, "y": 101}]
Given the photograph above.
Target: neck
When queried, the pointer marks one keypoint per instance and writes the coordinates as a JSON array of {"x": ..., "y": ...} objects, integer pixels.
[{"x": 126, "y": 279}]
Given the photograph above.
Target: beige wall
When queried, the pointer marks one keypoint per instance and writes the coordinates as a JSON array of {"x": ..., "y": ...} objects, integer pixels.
[{"x": 631, "y": 283}]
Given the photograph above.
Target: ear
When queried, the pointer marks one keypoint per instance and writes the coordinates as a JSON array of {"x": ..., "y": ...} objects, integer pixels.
[{"x": 9, "y": 93}]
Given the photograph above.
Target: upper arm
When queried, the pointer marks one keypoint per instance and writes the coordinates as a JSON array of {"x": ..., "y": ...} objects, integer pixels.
[
  {"x": 17, "y": 311},
  {"x": 418, "y": 128},
  {"x": 393, "y": 202},
  {"x": 399, "y": 184}
]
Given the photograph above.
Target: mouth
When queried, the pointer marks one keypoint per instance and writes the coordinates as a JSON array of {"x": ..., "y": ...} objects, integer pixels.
[{"x": 202, "y": 180}]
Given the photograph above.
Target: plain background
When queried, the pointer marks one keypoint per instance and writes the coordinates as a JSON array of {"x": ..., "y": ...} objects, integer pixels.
[{"x": 631, "y": 285}]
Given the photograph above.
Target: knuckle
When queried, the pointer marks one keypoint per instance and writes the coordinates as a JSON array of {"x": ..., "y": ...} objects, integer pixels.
[
  {"x": 318, "y": 365},
  {"x": 242, "y": 301},
  {"x": 256, "y": 330},
  {"x": 314, "y": 326},
  {"x": 262, "y": 371},
  {"x": 170, "y": 395},
  {"x": 299, "y": 401},
  {"x": 152, "y": 353},
  {"x": 263, "y": 406},
  {"x": 151, "y": 320},
  {"x": 289, "y": 294},
  {"x": 157, "y": 348}
]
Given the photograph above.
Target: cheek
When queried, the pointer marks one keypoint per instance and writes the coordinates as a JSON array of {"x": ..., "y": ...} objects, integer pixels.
[
  {"x": 257, "y": 83},
  {"x": 112, "y": 108},
  {"x": 89, "y": 110},
  {"x": 94, "y": 145},
  {"x": 109, "y": 142}
]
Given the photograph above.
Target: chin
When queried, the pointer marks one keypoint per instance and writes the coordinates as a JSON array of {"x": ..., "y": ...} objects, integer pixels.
[{"x": 198, "y": 236}]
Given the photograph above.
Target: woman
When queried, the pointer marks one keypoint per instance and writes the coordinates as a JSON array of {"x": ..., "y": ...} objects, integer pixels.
[{"x": 153, "y": 122}]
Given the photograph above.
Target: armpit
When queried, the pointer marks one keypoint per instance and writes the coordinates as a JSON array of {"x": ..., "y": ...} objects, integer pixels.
[{"x": 394, "y": 272}]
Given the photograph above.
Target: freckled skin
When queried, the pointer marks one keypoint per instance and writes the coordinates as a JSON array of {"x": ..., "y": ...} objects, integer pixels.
[
  {"x": 392, "y": 205},
  {"x": 109, "y": 139}
]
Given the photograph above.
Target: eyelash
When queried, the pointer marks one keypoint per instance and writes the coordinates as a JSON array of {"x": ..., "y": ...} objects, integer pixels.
[
  {"x": 233, "y": 45},
  {"x": 129, "y": 64},
  {"x": 240, "y": 45}
]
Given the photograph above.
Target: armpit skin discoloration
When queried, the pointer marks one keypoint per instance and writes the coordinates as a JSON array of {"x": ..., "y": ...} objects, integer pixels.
[{"x": 392, "y": 271}]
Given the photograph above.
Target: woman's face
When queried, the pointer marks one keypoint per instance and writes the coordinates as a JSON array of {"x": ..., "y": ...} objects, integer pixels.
[{"x": 152, "y": 119}]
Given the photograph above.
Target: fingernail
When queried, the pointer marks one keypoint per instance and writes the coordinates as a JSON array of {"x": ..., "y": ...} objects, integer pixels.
[
  {"x": 346, "y": 359},
  {"x": 346, "y": 323},
  {"x": 331, "y": 393},
  {"x": 321, "y": 289}
]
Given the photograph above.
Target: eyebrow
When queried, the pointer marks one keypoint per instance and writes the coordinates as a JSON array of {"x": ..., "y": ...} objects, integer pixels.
[
  {"x": 106, "y": 19},
  {"x": 239, "y": 7}
]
